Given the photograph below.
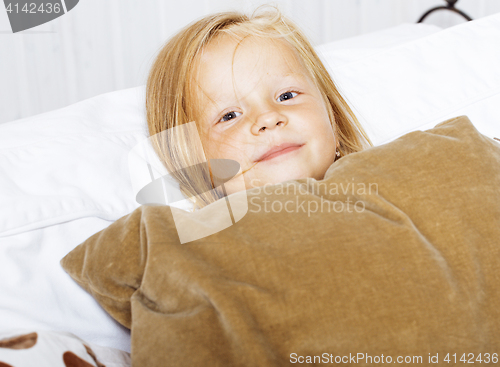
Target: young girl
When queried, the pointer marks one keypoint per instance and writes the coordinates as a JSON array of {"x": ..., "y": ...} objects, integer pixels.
[{"x": 258, "y": 94}]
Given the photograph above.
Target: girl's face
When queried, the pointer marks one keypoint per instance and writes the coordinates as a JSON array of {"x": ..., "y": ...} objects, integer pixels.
[{"x": 259, "y": 107}]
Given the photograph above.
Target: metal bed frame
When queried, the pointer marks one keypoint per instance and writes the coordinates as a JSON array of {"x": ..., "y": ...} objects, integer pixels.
[{"x": 450, "y": 6}]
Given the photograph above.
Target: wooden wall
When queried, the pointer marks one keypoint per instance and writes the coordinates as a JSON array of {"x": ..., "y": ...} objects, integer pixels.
[{"x": 106, "y": 45}]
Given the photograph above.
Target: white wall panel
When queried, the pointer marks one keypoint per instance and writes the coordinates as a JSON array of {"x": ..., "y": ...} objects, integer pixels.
[{"x": 106, "y": 45}]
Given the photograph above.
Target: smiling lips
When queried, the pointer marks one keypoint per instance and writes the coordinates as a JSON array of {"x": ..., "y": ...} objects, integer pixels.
[{"x": 279, "y": 150}]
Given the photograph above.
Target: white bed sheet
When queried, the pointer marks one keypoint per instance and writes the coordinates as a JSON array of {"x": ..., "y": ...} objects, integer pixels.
[{"x": 37, "y": 294}]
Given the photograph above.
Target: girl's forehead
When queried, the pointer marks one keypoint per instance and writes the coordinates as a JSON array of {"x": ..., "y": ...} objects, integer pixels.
[
  {"x": 245, "y": 61},
  {"x": 236, "y": 53}
]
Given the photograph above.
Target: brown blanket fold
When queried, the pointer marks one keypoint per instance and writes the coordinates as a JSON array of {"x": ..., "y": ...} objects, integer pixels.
[{"x": 400, "y": 258}]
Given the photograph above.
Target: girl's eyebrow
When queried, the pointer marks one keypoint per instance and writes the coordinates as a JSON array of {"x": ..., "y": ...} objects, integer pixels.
[
  {"x": 292, "y": 73},
  {"x": 301, "y": 77}
]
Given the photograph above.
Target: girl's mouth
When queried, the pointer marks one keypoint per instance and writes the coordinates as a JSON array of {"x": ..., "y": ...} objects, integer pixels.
[{"x": 279, "y": 151}]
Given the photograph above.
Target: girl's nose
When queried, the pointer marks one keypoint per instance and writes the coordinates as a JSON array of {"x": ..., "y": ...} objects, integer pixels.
[{"x": 268, "y": 121}]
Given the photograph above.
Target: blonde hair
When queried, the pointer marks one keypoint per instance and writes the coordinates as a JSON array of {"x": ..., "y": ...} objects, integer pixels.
[{"x": 169, "y": 87}]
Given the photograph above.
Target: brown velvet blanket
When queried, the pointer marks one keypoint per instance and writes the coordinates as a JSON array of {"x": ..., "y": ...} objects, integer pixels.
[{"x": 401, "y": 259}]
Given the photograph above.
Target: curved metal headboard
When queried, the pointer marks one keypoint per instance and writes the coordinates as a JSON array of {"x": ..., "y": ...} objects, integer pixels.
[{"x": 450, "y": 6}]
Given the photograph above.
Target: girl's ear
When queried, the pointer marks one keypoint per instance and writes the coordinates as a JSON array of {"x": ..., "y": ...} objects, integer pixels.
[{"x": 337, "y": 153}]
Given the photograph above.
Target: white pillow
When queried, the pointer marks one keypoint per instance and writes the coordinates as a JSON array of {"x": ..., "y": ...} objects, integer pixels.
[
  {"x": 70, "y": 163},
  {"x": 418, "y": 84},
  {"x": 350, "y": 49}
]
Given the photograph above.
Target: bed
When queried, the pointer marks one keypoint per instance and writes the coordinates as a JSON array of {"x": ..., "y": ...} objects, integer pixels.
[{"x": 57, "y": 190}]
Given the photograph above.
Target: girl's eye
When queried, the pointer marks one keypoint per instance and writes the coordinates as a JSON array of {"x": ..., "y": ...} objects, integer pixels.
[
  {"x": 230, "y": 115},
  {"x": 286, "y": 95}
]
